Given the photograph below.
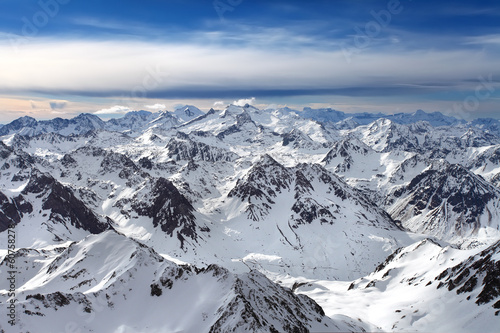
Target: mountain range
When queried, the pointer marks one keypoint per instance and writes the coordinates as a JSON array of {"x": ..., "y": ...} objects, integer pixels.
[{"x": 244, "y": 219}]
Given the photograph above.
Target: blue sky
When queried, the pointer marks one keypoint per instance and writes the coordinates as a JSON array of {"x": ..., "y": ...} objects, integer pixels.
[{"x": 63, "y": 57}]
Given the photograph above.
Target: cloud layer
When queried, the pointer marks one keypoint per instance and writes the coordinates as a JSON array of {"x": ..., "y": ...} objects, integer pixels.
[{"x": 135, "y": 70}]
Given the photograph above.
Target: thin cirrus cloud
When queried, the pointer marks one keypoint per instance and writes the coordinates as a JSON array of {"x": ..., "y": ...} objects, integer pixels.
[
  {"x": 485, "y": 40},
  {"x": 128, "y": 27},
  {"x": 131, "y": 69}
]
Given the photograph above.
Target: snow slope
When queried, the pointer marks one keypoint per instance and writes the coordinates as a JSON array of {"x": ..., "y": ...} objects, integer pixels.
[
  {"x": 109, "y": 283},
  {"x": 421, "y": 288}
]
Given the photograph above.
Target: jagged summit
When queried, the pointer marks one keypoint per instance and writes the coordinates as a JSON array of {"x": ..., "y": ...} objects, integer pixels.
[{"x": 448, "y": 201}]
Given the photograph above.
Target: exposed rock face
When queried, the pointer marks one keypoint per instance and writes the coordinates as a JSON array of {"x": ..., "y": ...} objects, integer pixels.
[
  {"x": 277, "y": 310},
  {"x": 268, "y": 180},
  {"x": 343, "y": 152},
  {"x": 262, "y": 184},
  {"x": 11, "y": 211},
  {"x": 478, "y": 276},
  {"x": 63, "y": 205},
  {"x": 197, "y": 151},
  {"x": 297, "y": 139},
  {"x": 42, "y": 190},
  {"x": 446, "y": 200},
  {"x": 168, "y": 208}
]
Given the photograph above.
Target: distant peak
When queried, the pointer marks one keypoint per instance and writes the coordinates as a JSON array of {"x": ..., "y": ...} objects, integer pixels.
[
  {"x": 27, "y": 118},
  {"x": 86, "y": 115},
  {"x": 187, "y": 112},
  {"x": 139, "y": 112},
  {"x": 266, "y": 159}
]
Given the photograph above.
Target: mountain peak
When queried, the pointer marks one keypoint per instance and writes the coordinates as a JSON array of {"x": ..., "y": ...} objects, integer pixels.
[
  {"x": 186, "y": 113},
  {"x": 87, "y": 115},
  {"x": 266, "y": 159}
]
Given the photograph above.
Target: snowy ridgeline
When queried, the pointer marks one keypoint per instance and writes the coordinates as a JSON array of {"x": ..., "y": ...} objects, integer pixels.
[{"x": 387, "y": 222}]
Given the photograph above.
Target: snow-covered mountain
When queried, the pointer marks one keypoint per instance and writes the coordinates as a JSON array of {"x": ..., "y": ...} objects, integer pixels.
[
  {"x": 435, "y": 119},
  {"x": 29, "y": 126},
  {"x": 425, "y": 287},
  {"x": 135, "y": 121},
  {"x": 110, "y": 283},
  {"x": 487, "y": 164},
  {"x": 239, "y": 211},
  {"x": 449, "y": 202},
  {"x": 43, "y": 209}
]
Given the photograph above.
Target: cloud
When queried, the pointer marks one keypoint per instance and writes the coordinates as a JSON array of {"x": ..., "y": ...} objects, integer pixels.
[
  {"x": 128, "y": 27},
  {"x": 242, "y": 102},
  {"x": 272, "y": 106},
  {"x": 483, "y": 40},
  {"x": 219, "y": 103},
  {"x": 57, "y": 105},
  {"x": 33, "y": 105},
  {"x": 117, "y": 109},
  {"x": 139, "y": 71},
  {"x": 156, "y": 106}
]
